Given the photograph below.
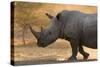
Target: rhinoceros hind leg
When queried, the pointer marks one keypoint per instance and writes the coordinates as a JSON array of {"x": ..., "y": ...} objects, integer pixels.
[{"x": 85, "y": 54}]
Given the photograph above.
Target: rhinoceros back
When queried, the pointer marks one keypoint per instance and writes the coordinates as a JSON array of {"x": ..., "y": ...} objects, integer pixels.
[{"x": 80, "y": 26}]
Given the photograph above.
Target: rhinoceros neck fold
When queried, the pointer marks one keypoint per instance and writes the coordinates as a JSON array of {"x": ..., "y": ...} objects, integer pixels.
[{"x": 61, "y": 33}]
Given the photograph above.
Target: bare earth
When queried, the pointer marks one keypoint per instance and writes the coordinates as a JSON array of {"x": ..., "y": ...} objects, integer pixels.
[{"x": 57, "y": 52}]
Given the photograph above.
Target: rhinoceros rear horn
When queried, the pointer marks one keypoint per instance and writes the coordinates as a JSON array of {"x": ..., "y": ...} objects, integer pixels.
[
  {"x": 50, "y": 16},
  {"x": 36, "y": 34}
]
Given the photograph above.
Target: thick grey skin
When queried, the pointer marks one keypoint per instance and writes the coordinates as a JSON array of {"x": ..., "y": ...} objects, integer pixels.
[{"x": 79, "y": 28}]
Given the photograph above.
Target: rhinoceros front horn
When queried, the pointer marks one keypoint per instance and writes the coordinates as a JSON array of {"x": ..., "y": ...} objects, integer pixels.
[
  {"x": 36, "y": 34},
  {"x": 50, "y": 16}
]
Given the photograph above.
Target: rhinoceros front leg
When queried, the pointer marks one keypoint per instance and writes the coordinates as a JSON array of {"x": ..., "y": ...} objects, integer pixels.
[
  {"x": 85, "y": 54},
  {"x": 74, "y": 46}
]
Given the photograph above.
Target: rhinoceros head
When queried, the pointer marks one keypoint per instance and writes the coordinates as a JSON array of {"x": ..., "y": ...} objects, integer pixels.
[{"x": 45, "y": 37}]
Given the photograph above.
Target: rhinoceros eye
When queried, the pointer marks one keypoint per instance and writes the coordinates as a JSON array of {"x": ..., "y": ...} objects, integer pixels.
[{"x": 49, "y": 33}]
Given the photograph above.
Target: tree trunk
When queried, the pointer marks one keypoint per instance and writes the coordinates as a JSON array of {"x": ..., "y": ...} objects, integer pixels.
[{"x": 23, "y": 35}]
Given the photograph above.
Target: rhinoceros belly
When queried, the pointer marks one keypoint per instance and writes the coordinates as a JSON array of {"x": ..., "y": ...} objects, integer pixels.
[{"x": 91, "y": 43}]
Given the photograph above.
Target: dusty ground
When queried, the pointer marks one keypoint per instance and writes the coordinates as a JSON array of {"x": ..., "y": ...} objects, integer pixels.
[{"x": 56, "y": 52}]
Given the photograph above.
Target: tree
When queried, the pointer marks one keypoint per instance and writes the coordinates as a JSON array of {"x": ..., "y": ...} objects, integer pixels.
[{"x": 23, "y": 15}]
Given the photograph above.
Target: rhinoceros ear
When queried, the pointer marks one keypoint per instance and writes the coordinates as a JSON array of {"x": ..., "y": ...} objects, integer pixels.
[
  {"x": 58, "y": 16},
  {"x": 49, "y": 16}
]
